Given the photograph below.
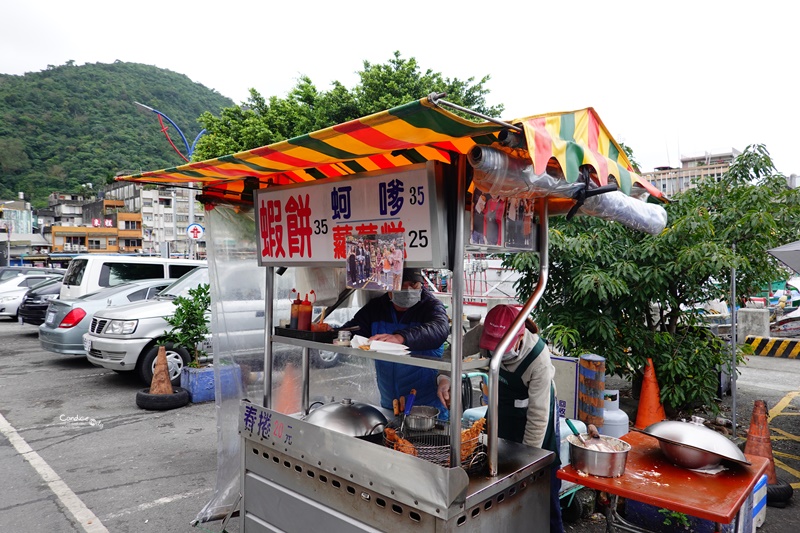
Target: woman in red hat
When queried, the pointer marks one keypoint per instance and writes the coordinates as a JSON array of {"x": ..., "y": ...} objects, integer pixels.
[{"x": 527, "y": 396}]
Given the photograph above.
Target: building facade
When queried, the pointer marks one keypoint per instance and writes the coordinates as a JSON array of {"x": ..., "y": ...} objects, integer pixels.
[
  {"x": 109, "y": 228},
  {"x": 671, "y": 181},
  {"x": 166, "y": 213}
]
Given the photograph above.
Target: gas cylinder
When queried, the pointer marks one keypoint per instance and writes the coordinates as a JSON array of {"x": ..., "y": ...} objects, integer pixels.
[
  {"x": 304, "y": 315},
  {"x": 294, "y": 310},
  {"x": 615, "y": 420}
]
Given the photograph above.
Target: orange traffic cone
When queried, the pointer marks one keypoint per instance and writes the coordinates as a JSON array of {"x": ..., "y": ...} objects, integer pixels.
[
  {"x": 650, "y": 409},
  {"x": 758, "y": 441},
  {"x": 161, "y": 383},
  {"x": 288, "y": 394}
]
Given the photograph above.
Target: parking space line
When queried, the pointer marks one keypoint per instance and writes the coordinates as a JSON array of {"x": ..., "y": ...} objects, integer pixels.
[
  {"x": 85, "y": 517},
  {"x": 155, "y": 503},
  {"x": 782, "y": 403}
]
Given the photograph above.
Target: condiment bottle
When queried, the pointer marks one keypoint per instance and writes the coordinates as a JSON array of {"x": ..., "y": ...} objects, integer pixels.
[
  {"x": 294, "y": 311},
  {"x": 304, "y": 315}
]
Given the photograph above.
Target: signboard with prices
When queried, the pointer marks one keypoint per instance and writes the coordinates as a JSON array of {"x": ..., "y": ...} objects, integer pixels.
[{"x": 309, "y": 224}]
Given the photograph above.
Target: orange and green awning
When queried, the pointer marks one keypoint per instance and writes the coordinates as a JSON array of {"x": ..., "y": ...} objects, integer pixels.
[{"x": 412, "y": 133}]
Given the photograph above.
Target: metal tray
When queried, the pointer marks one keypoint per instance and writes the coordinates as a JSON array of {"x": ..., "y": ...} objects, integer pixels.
[{"x": 316, "y": 336}]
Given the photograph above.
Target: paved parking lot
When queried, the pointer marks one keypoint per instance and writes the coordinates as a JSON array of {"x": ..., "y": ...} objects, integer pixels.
[
  {"x": 93, "y": 457},
  {"x": 90, "y": 452}
]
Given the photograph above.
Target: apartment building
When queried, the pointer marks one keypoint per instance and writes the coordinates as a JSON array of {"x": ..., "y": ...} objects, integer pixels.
[
  {"x": 674, "y": 180},
  {"x": 109, "y": 228},
  {"x": 166, "y": 213}
]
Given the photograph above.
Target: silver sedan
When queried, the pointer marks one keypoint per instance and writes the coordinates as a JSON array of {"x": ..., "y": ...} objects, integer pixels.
[{"x": 67, "y": 320}]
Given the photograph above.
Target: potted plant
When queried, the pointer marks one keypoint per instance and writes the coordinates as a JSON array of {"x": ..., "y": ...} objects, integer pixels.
[{"x": 190, "y": 330}]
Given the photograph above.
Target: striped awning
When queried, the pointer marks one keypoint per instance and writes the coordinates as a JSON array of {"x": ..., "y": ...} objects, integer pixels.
[{"x": 412, "y": 133}]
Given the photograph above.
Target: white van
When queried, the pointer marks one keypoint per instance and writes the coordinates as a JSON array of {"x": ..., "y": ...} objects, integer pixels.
[{"x": 92, "y": 272}]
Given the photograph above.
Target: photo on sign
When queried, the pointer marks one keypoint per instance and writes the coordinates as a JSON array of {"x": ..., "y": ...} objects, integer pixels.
[
  {"x": 519, "y": 223},
  {"x": 375, "y": 262},
  {"x": 487, "y": 219}
]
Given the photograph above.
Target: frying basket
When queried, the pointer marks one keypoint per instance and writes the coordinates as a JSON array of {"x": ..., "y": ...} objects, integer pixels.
[{"x": 434, "y": 446}]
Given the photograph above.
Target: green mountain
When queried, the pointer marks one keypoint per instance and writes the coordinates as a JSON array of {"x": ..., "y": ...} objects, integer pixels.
[{"x": 71, "y": 125}]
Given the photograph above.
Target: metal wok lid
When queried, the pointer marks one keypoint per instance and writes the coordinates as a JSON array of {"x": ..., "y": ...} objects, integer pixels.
[
  {"x": 694, "y": 435},
  {"x": 348, "y": 417}
]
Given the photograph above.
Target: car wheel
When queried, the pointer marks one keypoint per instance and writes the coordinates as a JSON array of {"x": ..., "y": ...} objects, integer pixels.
[
  {"x": 162, "y": 402},
  {"x": 177, "y": 358},
  {"x": 324, "y": 358}
]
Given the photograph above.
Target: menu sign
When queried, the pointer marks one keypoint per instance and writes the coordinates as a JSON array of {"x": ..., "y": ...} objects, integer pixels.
[{"x": 310, "y": 223}]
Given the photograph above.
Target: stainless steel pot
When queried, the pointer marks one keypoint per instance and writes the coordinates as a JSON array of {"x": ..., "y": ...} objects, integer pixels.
[
  {"x": 421, "y": 418},
  {"x": 596, "y": 462},
  {"x": 348, "y": 417},
  {"x": 692, "y": 445}
]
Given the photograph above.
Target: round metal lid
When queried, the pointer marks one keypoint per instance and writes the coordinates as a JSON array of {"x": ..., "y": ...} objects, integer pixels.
[{"x": 695, "y": 435}]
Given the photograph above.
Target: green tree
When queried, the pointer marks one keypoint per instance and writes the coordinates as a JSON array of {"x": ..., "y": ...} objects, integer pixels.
[
  {"x": 261, "y": 121},
  {"x": 189, "y": 322},
  {"x": 629, "y": 296}
]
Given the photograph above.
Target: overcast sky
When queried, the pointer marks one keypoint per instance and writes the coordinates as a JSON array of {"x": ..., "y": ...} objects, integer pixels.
[{"x": 669, "y": 79}]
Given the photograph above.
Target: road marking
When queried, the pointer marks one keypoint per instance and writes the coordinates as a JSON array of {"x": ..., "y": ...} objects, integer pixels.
[
  {"x": 782, "y": 403},
  {"x": 155, "y": 503},
  {"x": 85, "y": 517}
]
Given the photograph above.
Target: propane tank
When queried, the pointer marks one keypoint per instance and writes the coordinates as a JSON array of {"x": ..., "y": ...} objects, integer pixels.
[
  {"x": 615, "y": 420},
  {"x": 294, "y": 310},
  {"x": 304, "y": 315}
]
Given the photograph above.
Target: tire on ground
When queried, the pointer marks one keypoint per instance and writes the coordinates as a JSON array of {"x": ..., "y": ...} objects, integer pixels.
[
  {"x": 779, "y": 494},
  {"x": 177, "y": 358},
  {"x": 162, "y": 402}
]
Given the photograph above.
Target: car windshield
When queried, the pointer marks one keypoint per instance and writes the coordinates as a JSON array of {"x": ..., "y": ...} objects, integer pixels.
[
  {"x": 46, "y": 284},
  {"x": 181, "y": 287}
]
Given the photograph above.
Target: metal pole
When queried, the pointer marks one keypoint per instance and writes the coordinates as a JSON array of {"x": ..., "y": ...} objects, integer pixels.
[
  {"x": 519, "y": 323},
  {"x": 268, "y": 296},
  {"x": 192, "y": 242},
  {"x": 733, "y": 344},
  {"x": 436, "y": 99},
  {"x": 457, "y": 306}
]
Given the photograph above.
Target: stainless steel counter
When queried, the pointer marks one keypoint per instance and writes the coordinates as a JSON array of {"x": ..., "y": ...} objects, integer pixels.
[{"x": 297, "y": 476}]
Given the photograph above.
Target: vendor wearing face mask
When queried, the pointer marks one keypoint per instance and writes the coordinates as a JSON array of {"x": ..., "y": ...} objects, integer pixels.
[
  {"x": 413, "y": 317},
  {"x": 527, "y": 396}
]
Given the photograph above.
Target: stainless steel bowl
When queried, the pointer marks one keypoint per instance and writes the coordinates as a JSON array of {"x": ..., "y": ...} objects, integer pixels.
[
  {"x": 348, "y": 417},
  {"x": 422, "y": 418},
  {"x": 692, "y": 445},
  {"x": 596, "y": 462}
]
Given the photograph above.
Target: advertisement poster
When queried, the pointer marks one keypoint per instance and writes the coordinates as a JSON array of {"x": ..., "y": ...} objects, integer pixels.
[{"x": 375, "y": 262}]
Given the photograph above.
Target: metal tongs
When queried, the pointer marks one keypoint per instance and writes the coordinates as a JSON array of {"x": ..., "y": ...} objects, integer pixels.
[{"x": 409, "y": 404}]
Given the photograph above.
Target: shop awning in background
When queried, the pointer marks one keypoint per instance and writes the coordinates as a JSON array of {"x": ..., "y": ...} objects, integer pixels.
[
  {"x": 412, "y": 133},
  {"x": 788, "y": 254}
]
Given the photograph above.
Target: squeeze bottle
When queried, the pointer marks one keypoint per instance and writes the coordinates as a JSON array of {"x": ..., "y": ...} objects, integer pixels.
[
  {"x": 304, "y": 315},
  {"x": 294, "y": 311}
]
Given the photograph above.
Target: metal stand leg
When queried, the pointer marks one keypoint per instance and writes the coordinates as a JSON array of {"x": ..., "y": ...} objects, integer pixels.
[{"x": 614, "y": 522}]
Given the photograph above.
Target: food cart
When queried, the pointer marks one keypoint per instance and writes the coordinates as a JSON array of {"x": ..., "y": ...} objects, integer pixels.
[{"x": 422, "y": 174}]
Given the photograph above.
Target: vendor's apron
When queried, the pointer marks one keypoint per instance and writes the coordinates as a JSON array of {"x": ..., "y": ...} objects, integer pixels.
[{"x": 512, "y": 404}]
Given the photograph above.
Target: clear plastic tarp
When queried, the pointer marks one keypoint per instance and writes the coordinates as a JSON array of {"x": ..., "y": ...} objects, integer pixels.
[{"x": 237, "y": 323}]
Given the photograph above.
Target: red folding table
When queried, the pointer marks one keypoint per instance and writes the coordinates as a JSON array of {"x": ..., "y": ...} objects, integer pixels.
[{"x": 650, "y": 478}]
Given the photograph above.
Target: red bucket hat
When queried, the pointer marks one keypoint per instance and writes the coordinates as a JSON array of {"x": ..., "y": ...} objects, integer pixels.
[{"x": 496, "y": 324}]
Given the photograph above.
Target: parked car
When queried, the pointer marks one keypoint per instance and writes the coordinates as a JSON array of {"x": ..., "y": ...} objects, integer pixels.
[
  {"x": 8, "y": 272},
  {"x": 33, "y": 307},
  {"x": 13, "y": 289},
  {"x": 92, "y": 272},
  {"x": 66, "y": 321},
  {"x": 127, "y": 338}
]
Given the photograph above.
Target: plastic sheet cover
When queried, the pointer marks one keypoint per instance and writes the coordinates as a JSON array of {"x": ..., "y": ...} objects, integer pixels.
[{"x": 237, "y": 323}]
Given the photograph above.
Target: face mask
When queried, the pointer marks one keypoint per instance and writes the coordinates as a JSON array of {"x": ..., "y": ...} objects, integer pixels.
[
  {"x": 512, "y": 352},
  {"x": 407, "y": 298}
]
